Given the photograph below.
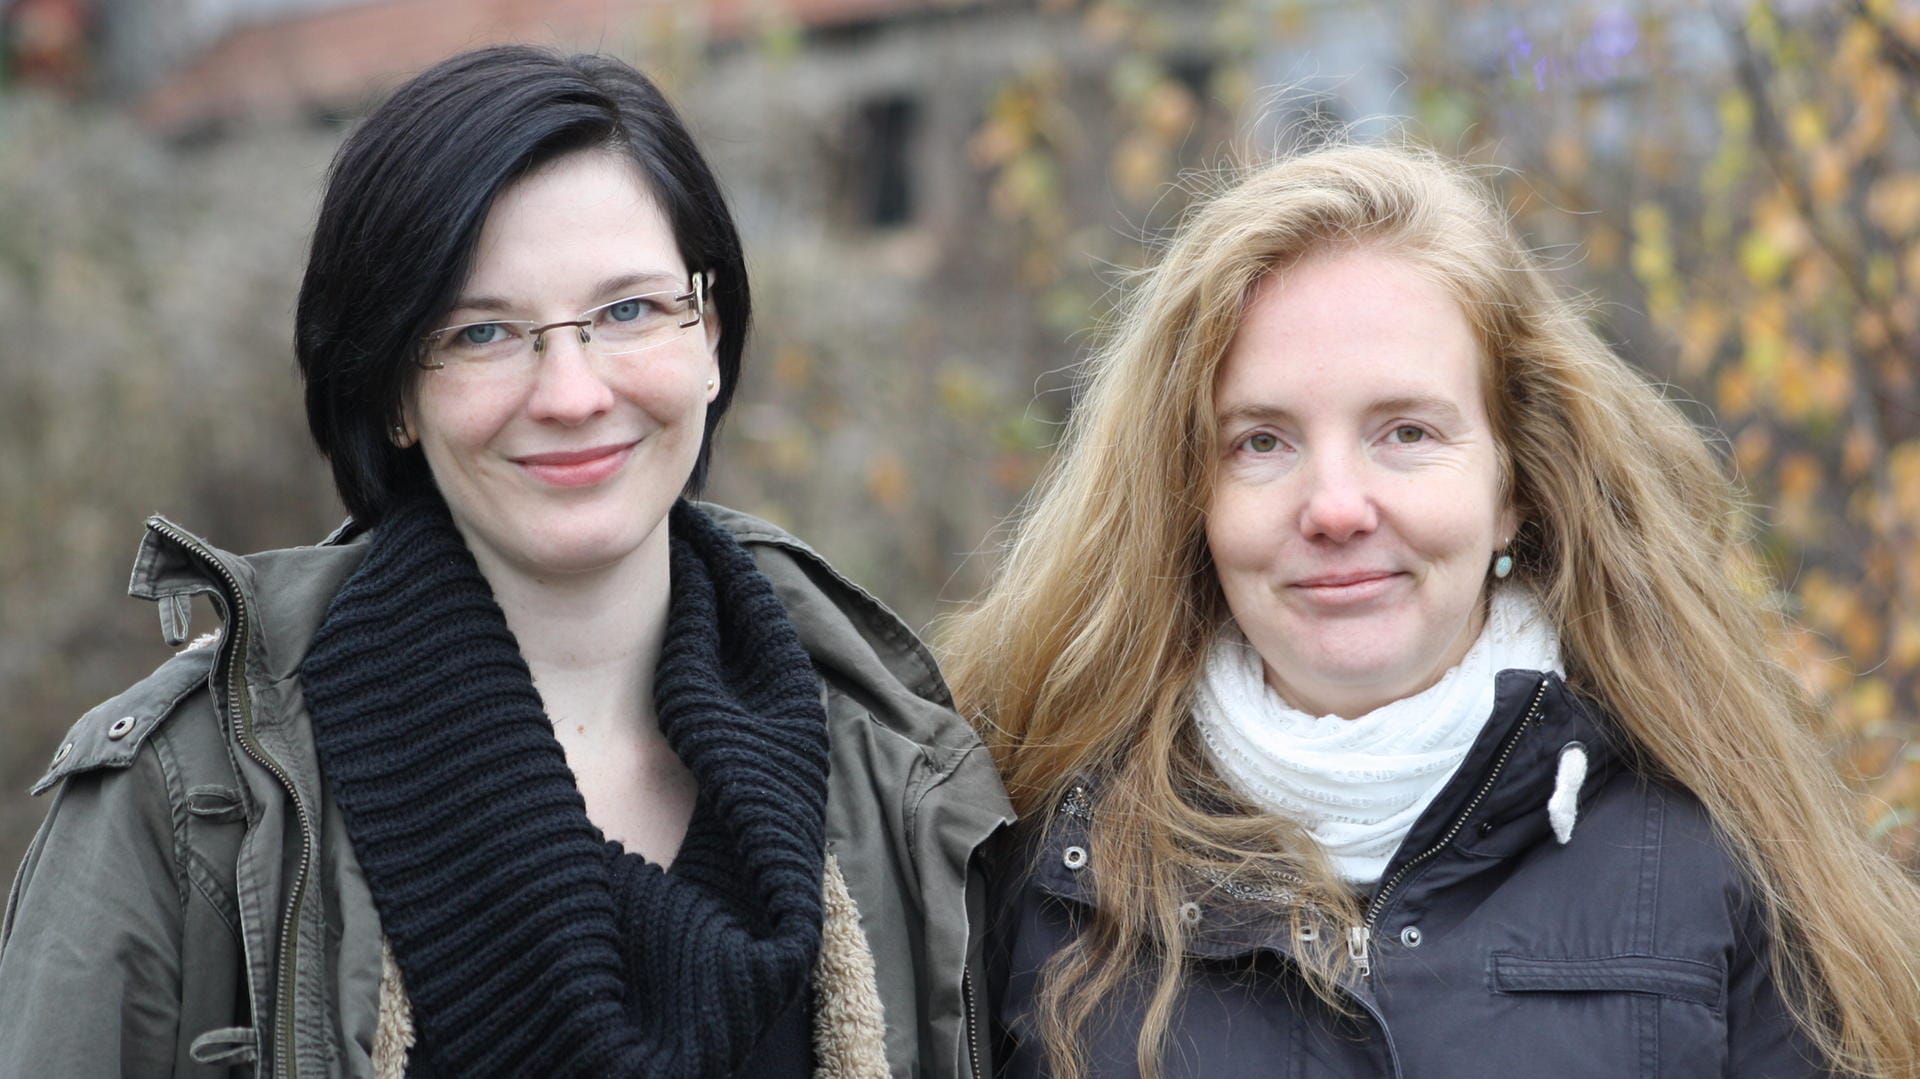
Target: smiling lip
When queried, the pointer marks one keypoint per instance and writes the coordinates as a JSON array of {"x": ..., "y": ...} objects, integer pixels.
[
  {"x": 1342, "y": 589},
  {"x": 577, "y": 468}
]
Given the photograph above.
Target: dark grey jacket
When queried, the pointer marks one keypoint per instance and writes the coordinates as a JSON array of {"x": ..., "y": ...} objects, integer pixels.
[
  {"x": 1634, "y": 950},
  {"x": 192, "y": 907}
]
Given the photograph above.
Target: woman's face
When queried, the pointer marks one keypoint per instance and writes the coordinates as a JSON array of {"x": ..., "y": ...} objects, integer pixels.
[
  {"x": 572, "y": 465},
  {"x": 1357, "y": 501}
]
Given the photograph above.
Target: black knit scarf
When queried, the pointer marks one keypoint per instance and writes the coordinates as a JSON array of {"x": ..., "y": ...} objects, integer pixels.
[{"x": 529, "y": 944}]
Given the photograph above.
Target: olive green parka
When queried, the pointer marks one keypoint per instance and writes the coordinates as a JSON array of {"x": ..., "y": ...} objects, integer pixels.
[{"x": 191, "y": 905}]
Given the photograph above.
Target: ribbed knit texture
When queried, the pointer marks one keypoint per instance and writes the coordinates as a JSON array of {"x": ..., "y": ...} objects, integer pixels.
[{"x": 529, "y": 944}]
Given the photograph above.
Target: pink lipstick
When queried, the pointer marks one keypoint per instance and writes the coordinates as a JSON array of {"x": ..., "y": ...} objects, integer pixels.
[{"x": 577, "y": 468}]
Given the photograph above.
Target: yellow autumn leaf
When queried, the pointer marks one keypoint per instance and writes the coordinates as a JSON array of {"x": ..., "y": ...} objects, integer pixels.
[
  {"x": 1827, "y": 173},
  {"x": 1762, "y": 258},
  {"x": 1700, "y": 336},
  {"x": 1872, "y": 701},
  {"x": 1736, "y": 113},
  {"x": 1169, "y": 109},
  {"x": 1832, "y": 377},
  {"x": 1904, "y": 650},
  {"x": 1797, "y": 513},
  {"x": 1763, "y": 27},
  {"x": 1734, "y": 393},
  {"x": 1141, "y": 163},
  {"x": 1793, "y": 386},
  {"x": 1806, "y": 126},
  {"x": 1652, "y": 257},
  {"x": 1856, "y": 454},
  {"x": 1882, "y": 275},
  {"x": 1903, "y": 472},
  {"x": 1763, "y": 333},
  {"x": 1752, "y": 448},
  {"x": 1862, "y": 637},
  {"x": 1893, "y": 203}
]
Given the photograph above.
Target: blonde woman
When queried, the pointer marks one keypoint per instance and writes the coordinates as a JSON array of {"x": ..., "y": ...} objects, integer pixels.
[{"x": 1378, "y": 677}]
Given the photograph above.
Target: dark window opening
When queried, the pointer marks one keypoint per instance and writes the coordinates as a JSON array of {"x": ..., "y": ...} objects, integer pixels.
[{"x": 882, "y": 159}]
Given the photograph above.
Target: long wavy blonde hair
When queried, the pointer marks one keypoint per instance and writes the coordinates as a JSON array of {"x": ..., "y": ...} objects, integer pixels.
[{"x": 1081, "y": 656}]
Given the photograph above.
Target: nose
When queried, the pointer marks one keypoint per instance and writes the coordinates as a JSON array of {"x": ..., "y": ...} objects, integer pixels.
[
  {"x": 566, "y": 387},
  {"x": 1339, "y": 505}
]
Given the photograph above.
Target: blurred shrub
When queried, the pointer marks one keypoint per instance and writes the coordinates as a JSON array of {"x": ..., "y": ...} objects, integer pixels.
[{"x": 146, "y": 298}]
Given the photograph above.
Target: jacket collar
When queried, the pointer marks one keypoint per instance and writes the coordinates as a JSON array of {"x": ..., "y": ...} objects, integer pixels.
[
  {"x": 281, "y": 595},
  {"x": 1494, "y": 808}
]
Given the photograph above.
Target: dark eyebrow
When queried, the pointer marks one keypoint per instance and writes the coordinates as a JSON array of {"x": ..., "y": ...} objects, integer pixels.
[
  {"x": 629, "y": 284},
  {"x": 633, "y": 284}
]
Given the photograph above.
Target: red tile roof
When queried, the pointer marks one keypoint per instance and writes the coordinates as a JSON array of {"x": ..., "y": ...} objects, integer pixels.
[{"x": 339, "y": 56}]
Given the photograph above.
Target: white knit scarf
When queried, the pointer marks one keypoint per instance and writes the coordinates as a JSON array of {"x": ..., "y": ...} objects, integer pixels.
[{"x": 1358, "y": 785}]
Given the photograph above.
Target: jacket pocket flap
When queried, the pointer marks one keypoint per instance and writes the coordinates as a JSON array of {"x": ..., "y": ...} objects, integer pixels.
[{"x": 1682, "y": 979}]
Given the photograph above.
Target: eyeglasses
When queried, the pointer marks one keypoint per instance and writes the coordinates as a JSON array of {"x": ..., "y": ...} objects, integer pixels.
[{"x": 620, "y": 328}]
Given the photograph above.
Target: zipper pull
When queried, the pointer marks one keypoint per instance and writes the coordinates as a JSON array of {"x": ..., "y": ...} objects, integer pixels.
[{"x": 1357, "y": 938}]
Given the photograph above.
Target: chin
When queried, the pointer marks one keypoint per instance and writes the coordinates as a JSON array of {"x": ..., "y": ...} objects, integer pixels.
[{"x": 577, "y": 550}]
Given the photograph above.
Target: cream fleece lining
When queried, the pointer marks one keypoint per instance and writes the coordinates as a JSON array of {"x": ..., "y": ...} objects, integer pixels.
[{"x": 849, "y": 1024}]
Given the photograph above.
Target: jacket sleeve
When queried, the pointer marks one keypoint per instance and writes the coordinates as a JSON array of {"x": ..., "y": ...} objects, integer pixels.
[
  {"x": 1763, "y": 1039},
  {"x": 90, "y": 956}
]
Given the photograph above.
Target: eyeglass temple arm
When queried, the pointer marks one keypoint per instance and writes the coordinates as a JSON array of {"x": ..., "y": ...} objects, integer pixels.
[{"x": 698, "y": 294}]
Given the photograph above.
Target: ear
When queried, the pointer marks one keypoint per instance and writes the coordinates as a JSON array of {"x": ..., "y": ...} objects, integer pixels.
[
  {"x": 405, "y": 434},
  {"x": 711, "y": 324}
]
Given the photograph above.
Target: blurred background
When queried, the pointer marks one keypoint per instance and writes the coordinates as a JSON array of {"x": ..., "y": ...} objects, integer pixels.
[{"x": 939, "y": 198}]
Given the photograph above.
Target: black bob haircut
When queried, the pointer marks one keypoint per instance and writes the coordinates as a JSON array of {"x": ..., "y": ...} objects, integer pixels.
[{"x": 404, "y": 205}]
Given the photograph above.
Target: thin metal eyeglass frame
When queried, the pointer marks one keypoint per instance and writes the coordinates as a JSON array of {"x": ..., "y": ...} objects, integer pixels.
[{"x": 696, "y": 292}]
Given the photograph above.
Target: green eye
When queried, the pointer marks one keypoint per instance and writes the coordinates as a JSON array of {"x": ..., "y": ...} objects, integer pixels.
[
  {"x": 1262, "y": 442},
  {"x": 1407, "y": 433}
]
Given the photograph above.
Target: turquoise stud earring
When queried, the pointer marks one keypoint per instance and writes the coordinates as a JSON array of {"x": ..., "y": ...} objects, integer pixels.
[{"x": 1503, "y": 565}]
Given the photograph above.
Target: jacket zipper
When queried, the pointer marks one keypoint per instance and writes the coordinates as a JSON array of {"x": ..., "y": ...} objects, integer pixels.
[
  {"x": 237, "y": 703},
  {"x": 1359, "y": 937},
  {"x": 973, "y": 1026}
]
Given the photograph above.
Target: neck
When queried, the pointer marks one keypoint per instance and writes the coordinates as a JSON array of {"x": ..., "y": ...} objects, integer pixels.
[{"x": 592, "y": 639}]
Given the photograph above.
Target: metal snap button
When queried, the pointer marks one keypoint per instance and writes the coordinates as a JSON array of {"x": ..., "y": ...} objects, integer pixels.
[
  {"x": 1410, "y": 936},
  {"x": 120, "y": 727},
  {"x": 1189, "y": 914},
  {"x": 61, "y": 753},
  {"x": 1309, "y": 934},
  {"x": 1486, "y": 827},
  {"x": 1074, "y": 858}
]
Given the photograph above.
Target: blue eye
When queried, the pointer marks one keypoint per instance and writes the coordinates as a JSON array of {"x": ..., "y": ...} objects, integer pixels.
[
  {"x": 627, "y": 310},
  {"x": 483, "y": 333}
]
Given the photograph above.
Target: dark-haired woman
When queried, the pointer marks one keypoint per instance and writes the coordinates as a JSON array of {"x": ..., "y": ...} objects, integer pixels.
[{"x": 536, "y": 768}]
